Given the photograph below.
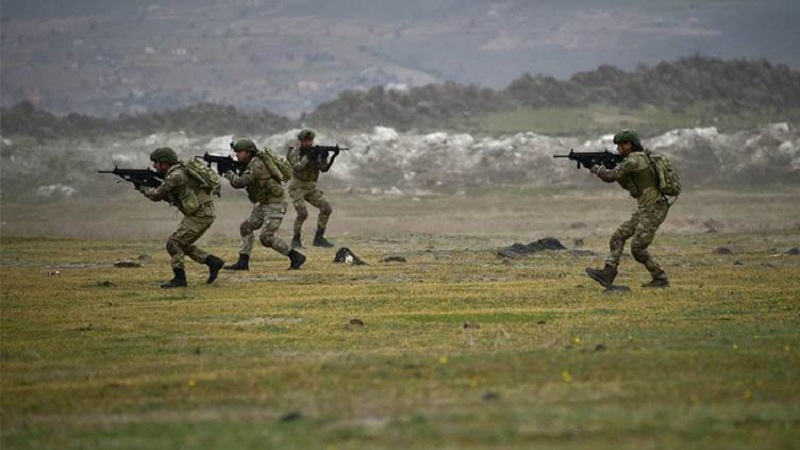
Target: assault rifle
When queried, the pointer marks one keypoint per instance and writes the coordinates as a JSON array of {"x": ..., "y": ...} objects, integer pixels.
[
  {"x": 588, "y": 159},
  {"x": 224, "y": 163},
  {"x": 139, "y": 177},
  {"x": 320, "y": 153}
]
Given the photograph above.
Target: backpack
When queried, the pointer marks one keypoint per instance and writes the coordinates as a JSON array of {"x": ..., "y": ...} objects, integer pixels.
[
  {"x": 205, "y": 176},
  {"x": 280, "y": 162},
  {"x": 669, "y": 183}
]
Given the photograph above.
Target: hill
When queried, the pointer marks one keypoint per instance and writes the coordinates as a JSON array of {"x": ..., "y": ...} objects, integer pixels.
[
  {"x": 694, "y": 91},
  {"x": 104, "y": 58}
]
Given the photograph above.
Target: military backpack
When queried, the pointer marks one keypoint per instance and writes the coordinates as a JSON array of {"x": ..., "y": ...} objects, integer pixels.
[
  {"x": 669, "y": 183},
  {"x": 280, "y": 162},
  {"x": 205, "y": 176}
]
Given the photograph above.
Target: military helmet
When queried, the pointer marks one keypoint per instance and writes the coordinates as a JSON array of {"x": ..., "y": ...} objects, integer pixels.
[
  {"x": 164, "y": 155},
  {"x": 243, "y": 144},
  {"x": 627, "y": 136},
  {"x": 305, "y": 134}
]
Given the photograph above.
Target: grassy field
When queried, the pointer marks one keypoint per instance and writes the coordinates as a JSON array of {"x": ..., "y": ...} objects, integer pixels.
[{"x": 454, "y": 348}]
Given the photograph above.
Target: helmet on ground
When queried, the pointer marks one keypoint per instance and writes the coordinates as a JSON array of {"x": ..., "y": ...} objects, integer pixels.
[
  {"x": 164, "y": 155},
  {"x": 305, "y": 134},
  {"x": 627, "y": 136},
  {"x": 243, "y": 144}
]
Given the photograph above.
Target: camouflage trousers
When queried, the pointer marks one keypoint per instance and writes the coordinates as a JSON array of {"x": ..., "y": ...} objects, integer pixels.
[
  {"x": 191, "y": 228},
  {"x": 306, "y": 191},
  {"x": 268, "y": 217},
  {"x": 641, "y": 227}
]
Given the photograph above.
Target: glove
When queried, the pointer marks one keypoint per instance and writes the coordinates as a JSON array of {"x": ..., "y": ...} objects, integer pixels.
[
  {"x": 229, "y": 175},
  {"x": 595, "y": 168}
]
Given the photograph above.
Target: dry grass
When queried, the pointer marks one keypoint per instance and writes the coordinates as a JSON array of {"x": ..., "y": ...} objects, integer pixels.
[{"x": 458, "y": 348}]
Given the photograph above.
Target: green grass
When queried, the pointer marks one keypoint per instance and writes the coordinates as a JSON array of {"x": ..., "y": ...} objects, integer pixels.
[{"x": 100, "y": 357}]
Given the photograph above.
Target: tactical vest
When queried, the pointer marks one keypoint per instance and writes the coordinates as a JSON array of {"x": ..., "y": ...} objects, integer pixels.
[{"x": 309, "y": 173}]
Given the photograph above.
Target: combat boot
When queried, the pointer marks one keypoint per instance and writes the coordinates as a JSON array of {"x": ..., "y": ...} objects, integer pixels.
[
  {"x": 214, "y": 266},
  {"x": 605, "y": 277},
  {"x": 319, "y": 239},
  {"x": 179, "y": 280},
  {"x": 296, "y": 242},
  {"x": 242, "y": 264},
  {"x": 657, "y": 282},
  {"x": 296, "y": 259}
]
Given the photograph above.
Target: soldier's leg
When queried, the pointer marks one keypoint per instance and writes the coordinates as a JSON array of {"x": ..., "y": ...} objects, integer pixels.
[
  {"x": 608, "y": 273},
  {"x": 650, "y": 219},
  {"x": 296, "y": 194},
  {"x": 617, "y": 242},
  {"x": 252, "y": 223},
  {"x": 274, "y": 213},
  {"x": 195, "y": 226},
  {"x": 180, "y": 244},
  {"x": 246, "y": 229},
  {"x": 192, "y": 229},
  {"x": 317, "y": 199}
]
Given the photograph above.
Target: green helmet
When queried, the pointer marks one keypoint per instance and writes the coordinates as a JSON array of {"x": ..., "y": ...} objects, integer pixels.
[
  {"x": 164, "y": 154},
  {"x": 244, "y": 144},
  {"x": 305, "y": 134},
  {"x": 627, "y": 136}
]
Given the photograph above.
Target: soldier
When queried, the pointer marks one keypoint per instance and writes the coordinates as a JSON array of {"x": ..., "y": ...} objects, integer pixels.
[
  {"x": 303, "y": 188},
  {"x": 197, "y": 207},
  {"x": 635, "y": 174},
  {"x": 262, "y": 180}
]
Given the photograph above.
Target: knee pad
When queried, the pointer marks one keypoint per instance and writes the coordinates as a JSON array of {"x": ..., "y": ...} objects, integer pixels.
[
  {"x": 640, "y": 255},
  {"x": 245, "y": 229},
  {"x": 267, "y": 240},
  {"x": 616, "y": 241},
  {"x": 173, "y": 247},
  {"x": 302, "y": 214},
  {"x": 326, "y": 209}
]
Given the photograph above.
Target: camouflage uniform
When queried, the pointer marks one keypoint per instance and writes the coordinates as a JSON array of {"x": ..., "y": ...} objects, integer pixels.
[
  {"x": 262, "y": 181},
  {"x": 635, "y": 174},
  {"x": 269, "y": 204},
  {"x": 187, "y": 194},
  {"x": 198, "y": 210},
  {"x": 303, "y": 188}
]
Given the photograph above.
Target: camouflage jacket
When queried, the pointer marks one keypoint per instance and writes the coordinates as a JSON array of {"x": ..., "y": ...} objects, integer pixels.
[
  {"x": 303, "y": 167},
  {"x": 258, "y": 181},
  {"x": 635, "y": 175},
  {"x": 180, "y": 190}
]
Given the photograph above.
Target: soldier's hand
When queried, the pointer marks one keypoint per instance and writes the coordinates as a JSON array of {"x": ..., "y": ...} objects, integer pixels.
[
  {"x": 595, "y": 168},
  {"x": 229, "y": 175}
]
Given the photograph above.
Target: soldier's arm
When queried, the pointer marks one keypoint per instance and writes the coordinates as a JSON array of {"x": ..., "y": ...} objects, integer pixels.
[
  {"x": 239, "y": 181},
  {"x": 625, "y": 167},
  {"x": 163, "y": 192}
]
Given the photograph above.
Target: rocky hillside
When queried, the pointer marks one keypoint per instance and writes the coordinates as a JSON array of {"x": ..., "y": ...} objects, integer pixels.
[{"x": 727, "y": 87}]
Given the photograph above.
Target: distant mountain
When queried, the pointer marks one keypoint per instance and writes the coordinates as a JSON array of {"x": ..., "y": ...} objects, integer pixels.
[{"x": 106, "y": 58}]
